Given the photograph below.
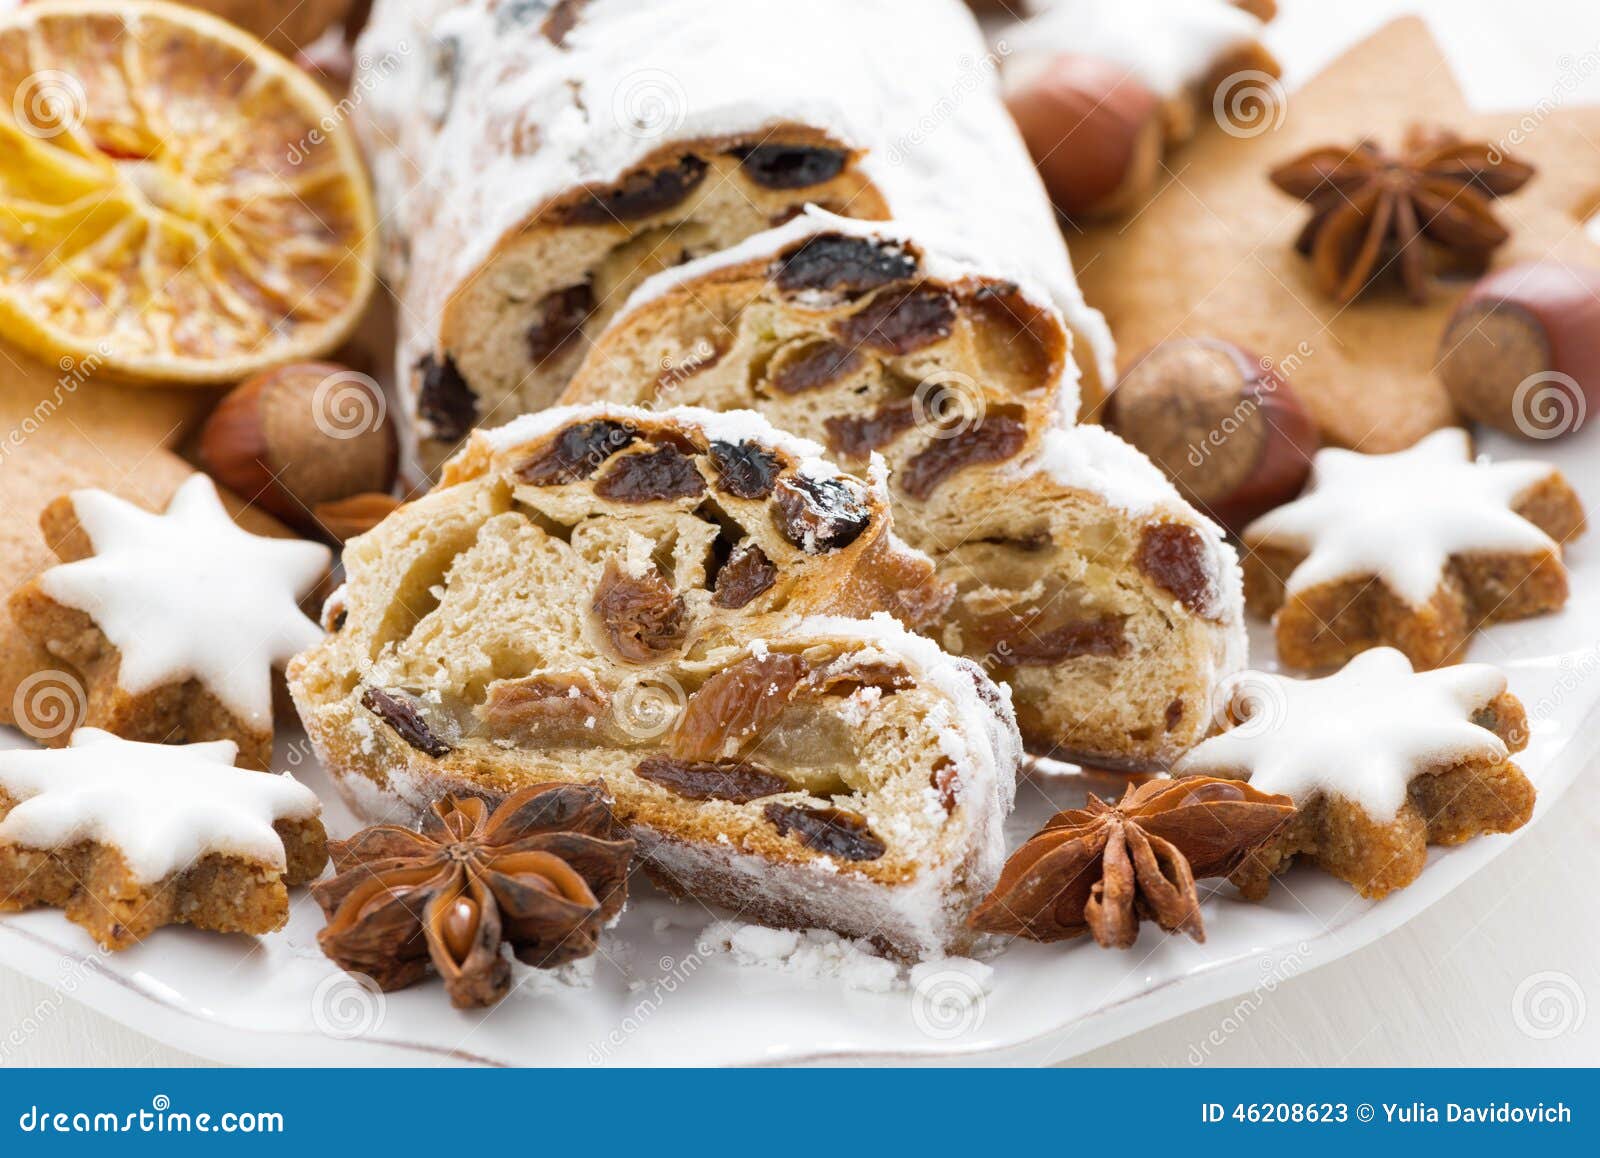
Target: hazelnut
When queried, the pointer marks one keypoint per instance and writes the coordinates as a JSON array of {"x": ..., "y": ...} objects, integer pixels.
[
  {"x": 1226, "y": 428},
  {"x": 1096, "y": 134},
  {"x": 299, "y": 436},
  {"x": 1521, "y": 353}
]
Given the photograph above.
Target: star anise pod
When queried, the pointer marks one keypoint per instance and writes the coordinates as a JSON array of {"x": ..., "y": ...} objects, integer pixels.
[
  {"x": 1426, "y": 209},
  {"x": 1101, "y": 868},
  {"x": 543, "y": 872}
]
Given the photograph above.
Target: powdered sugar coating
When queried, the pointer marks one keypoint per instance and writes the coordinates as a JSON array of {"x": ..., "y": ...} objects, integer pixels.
[
  {"x": 1362, "y": 733},
  {"x": 162, "y": 806},
  {"x": 1402, "y": 516},
  {"x": 1169, "y": 45},
  {"x": 475, "y": 120},
  {"x": 189, "y": 595},
  {"x": 812, "y": 954}
]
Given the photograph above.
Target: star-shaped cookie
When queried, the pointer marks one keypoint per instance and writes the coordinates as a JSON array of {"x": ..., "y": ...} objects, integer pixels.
[
  {"x": 1414, "y": 549},
  {"x": 127, "y": 837},
  {"x": 1380, "y": 761},
  {"x": 174, "y": 621}
]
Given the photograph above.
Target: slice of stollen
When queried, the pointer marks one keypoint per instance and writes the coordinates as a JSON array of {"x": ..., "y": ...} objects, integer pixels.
[{"x": 689, "y": 607}]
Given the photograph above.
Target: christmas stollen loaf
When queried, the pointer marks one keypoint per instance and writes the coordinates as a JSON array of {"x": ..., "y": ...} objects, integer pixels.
[
  {"x": 691, "y": 608},
  {"x": 535, "y": 162},
  {"x": 1110, "y": 606}
]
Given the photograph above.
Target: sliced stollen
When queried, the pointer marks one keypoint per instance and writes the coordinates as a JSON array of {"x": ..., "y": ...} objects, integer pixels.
[
  {"x": 687, "y": 606},
  {"x": 1110, "y": 606},
  {"x": 536, "y": 163}
]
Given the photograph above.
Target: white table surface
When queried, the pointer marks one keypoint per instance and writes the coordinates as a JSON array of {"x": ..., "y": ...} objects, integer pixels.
[{"x": 1503, "y": 970}]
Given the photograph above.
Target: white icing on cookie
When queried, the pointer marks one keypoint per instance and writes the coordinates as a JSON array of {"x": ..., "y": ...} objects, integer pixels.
[
  {"x": 163, "y": 806},
  {"x": 1168, "y": 45},
  {"x": 1362, "y": 733},
  {"x": 189, "y": 595},
  {"x": 1402, "y": 516}
]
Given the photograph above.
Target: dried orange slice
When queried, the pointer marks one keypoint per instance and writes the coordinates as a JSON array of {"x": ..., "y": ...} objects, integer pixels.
[{"x": 178, "y": 203}]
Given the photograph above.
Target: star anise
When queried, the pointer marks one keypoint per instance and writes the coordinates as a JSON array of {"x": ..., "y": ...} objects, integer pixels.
[
  {"x": 1101, "y": 868},
  {"x": 1425, "y": 210},
  {"x": 543, "y": 872}
]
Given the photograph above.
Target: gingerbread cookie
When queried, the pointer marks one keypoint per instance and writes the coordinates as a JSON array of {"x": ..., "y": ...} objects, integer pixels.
[
  {"x": 175, "y": 621},
  {"x": 127, "y": 837},
  {"x": 1213, "y": 254},
  {"x": 1415, "y": 549},
  {"x": 1381, "y": 761}
]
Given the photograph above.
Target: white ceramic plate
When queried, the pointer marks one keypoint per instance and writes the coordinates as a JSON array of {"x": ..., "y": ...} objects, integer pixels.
[{"x": 655, "y": 999}]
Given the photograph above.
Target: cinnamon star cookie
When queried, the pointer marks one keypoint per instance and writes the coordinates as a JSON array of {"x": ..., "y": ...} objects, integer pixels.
[
  {"x": 127, "y": 837},
  {"x": 1381, "y": 762},
  {"x": 1414, "y": 549},
  {"x": 174, "y": 621}
]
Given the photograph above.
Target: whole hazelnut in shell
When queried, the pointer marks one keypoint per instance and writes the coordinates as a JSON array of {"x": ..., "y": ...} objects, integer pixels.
[
  {"x": 1096, "y": 134},
  {"x": 1224, "y": 425},
  {"x": 1521, "y": 352},
  {"x": 299, "y": 437}
]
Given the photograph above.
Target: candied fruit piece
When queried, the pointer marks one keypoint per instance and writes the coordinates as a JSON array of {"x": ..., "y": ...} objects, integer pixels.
[
  {"x": 559, "y": 705},
  {"x": 858, "y": 435},
  {"x": 561, "y": 316},
  {"x": 1035, "y": 638},
  {"x": 642, "y": 193},
  {"x": 747, "y": 574},
  {"x": 642, "y": 618},
  {"x": 744, "y": 469},
  {"x": 1175, "y": 558},
  {"x": 738, "y": 702},
  {"x": 995, "y": 439},
  {"x": 814, "y": 366}
]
